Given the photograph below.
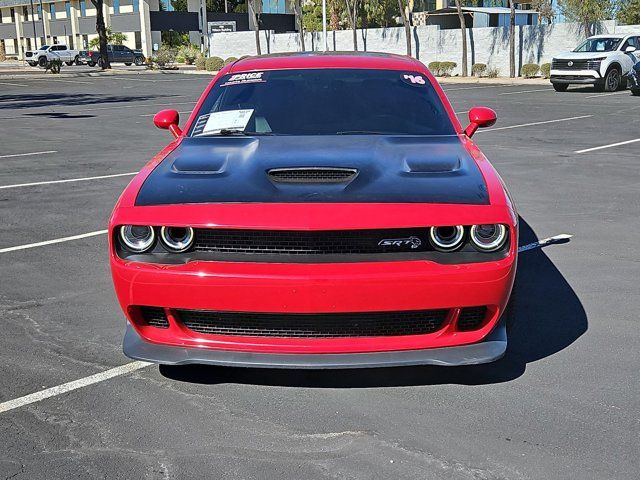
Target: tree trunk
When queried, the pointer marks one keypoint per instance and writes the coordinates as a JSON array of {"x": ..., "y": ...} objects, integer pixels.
[
  {"x": 352, "y": 9},
  {"x": 407, "y": 27},
  {"x": 298, "y": 11},
  {"x": 256, "y": 25},
  {"x": 512, "y": 39},
  {"x": 101, "y": 29},
  {"x": 463, "y": 30}
]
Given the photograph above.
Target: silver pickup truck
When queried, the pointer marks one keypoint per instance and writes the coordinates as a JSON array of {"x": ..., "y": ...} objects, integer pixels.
[{"x": 46, "y": 53}]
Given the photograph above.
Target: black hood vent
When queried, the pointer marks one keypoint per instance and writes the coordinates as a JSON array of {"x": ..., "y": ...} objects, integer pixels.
[{"x": 312, "y": 175}]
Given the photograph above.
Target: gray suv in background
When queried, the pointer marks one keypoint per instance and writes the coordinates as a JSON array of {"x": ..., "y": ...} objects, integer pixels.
[{"x": 116, "y": 53}]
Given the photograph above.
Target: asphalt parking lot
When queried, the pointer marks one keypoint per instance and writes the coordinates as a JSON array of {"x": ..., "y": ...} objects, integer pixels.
[{"x": 563, "y": 402}]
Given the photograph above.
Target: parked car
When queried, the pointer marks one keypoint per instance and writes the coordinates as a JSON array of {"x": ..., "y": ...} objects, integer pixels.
[
  {"x": 603, "y": 61},
  {"x": 634, "y": 79},
  {"x": 46, "y": 53},
  {"x": 116, "y": 53},
  {"x": 317, "y": 211}
]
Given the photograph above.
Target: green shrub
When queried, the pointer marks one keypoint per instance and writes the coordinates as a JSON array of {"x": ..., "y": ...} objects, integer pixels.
[
  {"x": 545, "y": 70},
  {"x": 493, "y": 72},
  {"x": 530, "y": 70},
  {"x": 213, "y": 64},
  {"x": 435, "y": 68},
  {"x": 201, "y": 63},
  {"x": 189, "y": 53},
  {"x": 230, "y": 60},
  {"x": 446, "y": 68},
  {"x": 165, "y": 56},
  {"x": 478, "y": 69},
  {"x": 54, "y": 66}
]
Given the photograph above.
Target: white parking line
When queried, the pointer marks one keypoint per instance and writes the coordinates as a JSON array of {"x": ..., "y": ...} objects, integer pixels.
[
  {"x": 153, "y": 114},
  {"x": 51, "y": 242},
  {"x": 607, "y": 94},
  {"x": 593, "y": 149},
  {"x": 13, "y": 84},
  {"x": 57, "y": 80},
  {"x": 28, "y": 154},
  {"x": 544, "y": 242},
  {"x": 70, "y": 386},
  {"x": 535, "y": 123},
  {"x": 68, "y": 180},
  {"x": 528, "y": 91},
  {"x": 473, "y": 88}
]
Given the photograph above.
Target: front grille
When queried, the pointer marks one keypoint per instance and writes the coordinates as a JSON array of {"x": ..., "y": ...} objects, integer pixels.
[
  {"x": 471, "y": 318},
  {"x": 329, "y": 325},
  {"x": 312, "y": 175},
  {"x": 154, "y": 316},
  {"x": 328, "y": 242},
  {"x": 28, "y": 54},
  {"x": 575, "y": 64}
]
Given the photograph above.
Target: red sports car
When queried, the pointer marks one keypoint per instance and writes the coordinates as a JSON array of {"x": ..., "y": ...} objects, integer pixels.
[{"x": 317, "y": 211}]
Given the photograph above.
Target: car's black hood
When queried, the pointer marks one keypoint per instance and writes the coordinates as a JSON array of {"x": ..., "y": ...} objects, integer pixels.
[{"x": 390, "y": 169}]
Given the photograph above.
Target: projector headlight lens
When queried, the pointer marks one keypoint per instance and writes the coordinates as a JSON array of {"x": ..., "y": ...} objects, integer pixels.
[
  {"x": 446, "y": 239},
  {"x": 137, "y": 238},
  {"x": 177, "y": 239},
  {"x": 488, "y": 237}
]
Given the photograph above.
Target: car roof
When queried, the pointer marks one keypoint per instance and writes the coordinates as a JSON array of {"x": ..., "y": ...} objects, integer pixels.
[
  {"x": 611, "y": 35},
  {"x": 302, "y": 60}
]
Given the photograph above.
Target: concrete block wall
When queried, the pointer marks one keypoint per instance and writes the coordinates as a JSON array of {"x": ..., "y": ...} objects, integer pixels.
[{"x": 534, "y": 44}]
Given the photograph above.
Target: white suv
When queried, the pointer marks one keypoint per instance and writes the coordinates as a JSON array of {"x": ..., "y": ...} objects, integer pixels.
[{"x": 603, "y": 61}]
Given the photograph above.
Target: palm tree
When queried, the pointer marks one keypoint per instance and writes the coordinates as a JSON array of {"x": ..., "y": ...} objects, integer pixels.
[
  {"x": 254, "y": 9},
  {"x": 512, "y": 39},
  {"x": 297, "y": 9},
  {"x": 352, "y": 9},
  {"x": 463, "y": 30},
  {"x": 405, "y": 11},
  {"x": 102, "y": 33}
]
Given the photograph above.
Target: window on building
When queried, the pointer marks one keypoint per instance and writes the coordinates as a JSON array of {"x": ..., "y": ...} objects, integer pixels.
[
  {"x": 39, "y": 8},
  {"x": 135, "y": 6},
  {"x": 85, "y": 41},
  {"x": 67, "y": 9},
  {"x": 83, "y": 8},
  {"x": 116, "y": 6},
  {"x": 13, "y": 15},
  {"x": 166, "y": 6},
  {"x": 52, "y": 10},
  {"x": 28, "y": 43},
  {"x": 25, "y": 13}
]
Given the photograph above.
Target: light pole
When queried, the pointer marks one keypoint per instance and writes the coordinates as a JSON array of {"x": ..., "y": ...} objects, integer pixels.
[{"x": 324, "y": 24}]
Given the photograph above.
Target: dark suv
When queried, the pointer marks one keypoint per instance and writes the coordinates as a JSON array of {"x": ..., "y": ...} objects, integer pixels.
[{"x": 116, "y": 53}]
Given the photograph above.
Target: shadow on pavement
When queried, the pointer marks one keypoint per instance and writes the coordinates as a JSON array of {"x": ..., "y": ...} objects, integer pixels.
[
  {"x": 32, "y": 100},
  {"x": 548, "y": 317}
]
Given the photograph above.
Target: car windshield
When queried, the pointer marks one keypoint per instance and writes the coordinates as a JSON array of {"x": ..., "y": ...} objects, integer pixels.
[
  {"x": 323, "y": 102},
  {"x": 43, "y": 47},
  {"x": 599, "y": 45}
]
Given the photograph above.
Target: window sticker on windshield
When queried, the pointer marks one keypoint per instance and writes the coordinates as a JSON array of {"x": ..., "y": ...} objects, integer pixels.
[
  {"x": 235, "y": 120},
  {"x": 413, "y": 79},
  {"x": 240, "y": 78}
]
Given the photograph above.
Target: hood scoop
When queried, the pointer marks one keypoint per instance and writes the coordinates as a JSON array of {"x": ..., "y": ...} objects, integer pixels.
[{"x": 312, "y": 175}]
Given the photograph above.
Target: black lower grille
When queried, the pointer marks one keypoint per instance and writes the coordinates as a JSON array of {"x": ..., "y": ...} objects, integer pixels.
[
  {"x": 471, "y": 318},
  {"x": 333, "y": 242},
  {"x": 330, "y": 325},
  {"x": 575, "y": 64},
  {"x": 154, "y": 316}
]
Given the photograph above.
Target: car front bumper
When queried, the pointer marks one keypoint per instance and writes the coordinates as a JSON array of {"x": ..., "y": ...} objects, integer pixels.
[{"x": 490, "y": 349}]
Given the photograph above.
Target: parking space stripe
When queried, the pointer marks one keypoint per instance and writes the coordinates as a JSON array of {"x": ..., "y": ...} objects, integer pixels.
[
  {"x": 28, "y": 154},
  {"x": 611, "y": 145},
  {"x": 534, "y": 123},
  {"x": 70, "y": 386},
  {"x": 51, "y": 242},
  {"x": 68, "y": 180},
  {"x": 563, "y": 237},
  {"x": 529, "y": 91},
  {"x": 607, "y": 94},
  {"x": 13, "y": 84}
]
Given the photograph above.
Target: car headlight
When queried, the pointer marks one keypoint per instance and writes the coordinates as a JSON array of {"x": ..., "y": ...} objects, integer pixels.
[
  {"x": 446, "y": 239},
  {"x": 137, "y": 238},
  {"x": 488, "y": 237},
  {"x": 177, "y": 239}
]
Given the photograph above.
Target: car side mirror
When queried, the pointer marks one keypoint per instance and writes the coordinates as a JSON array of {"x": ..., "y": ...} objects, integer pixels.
[
  {"x": 630, "y": 49},
  {"x": 480, "y": 117},
  {"x": 168, "y": 120}
]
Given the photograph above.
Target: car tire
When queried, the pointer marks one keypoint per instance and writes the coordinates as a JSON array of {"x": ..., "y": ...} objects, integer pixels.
[
  {"x": 100, "y": 62},
  {"x": 635, "y": 92},
  {"x": 69, "y": 63},
  {"x": 77, "y": 60},
  {"x": 91, "y": 64},
  {"x": 139, "y": 61},
  {"x": 42, "y": 61},
  {"x": 32, "y": 64},
  {"x": 127, "y": 64},
  {"x": 560, "y": 87},
  {"x": 612, "y": 80}
]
